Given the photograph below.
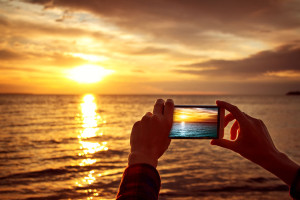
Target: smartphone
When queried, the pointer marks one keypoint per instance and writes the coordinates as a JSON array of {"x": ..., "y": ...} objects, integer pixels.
[{"x": 197, "y": 122}]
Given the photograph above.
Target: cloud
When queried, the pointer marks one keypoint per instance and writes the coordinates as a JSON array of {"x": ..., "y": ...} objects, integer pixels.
[
  {"x": 151, "y": 51},
  {"x": 283, "y": 58},
  {"x": 8, "y": 55},
  {"x": 29, "y": 62},
  {"x": 228, "y": 11},
  {"x": 25, "y": 28},
  {"x": 66, "y": 15},
  {"x": 192, "y": 22},
  {"x": 23, "y": 69},
  {"x": 217, "y": 86}
]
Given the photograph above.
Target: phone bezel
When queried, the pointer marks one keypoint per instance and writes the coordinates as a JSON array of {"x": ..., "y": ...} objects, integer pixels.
[{"x": 199, "y": 106}]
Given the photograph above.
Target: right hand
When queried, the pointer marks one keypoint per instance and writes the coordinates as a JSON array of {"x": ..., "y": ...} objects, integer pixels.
[{"x": 249, "y": 136}]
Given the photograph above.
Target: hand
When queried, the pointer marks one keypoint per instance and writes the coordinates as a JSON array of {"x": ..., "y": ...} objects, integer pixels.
[
  {"x": 250, "y": 138},
  {"x": 150, "y": 137}
]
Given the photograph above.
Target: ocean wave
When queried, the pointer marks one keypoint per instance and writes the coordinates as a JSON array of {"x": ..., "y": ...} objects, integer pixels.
[{"x": 226, "y": 189}]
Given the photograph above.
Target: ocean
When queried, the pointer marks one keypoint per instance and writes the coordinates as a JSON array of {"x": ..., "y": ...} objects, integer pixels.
[
  {"x": 76, "y": 147},
  {"x": 194, "y": 130}
]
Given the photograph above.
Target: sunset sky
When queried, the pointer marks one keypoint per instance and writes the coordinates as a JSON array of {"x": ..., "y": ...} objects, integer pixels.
[
  {"x": 149, "y": 47},
  {"x": 196, "y": 115}
]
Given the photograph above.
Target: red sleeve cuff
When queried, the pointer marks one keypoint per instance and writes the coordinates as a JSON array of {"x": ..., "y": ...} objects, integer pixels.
[{"x": 140, "y": 181}]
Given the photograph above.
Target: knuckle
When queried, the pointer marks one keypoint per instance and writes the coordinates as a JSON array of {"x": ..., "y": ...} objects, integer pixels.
[
  {"x": 235, "y": 108},
  {"x": 145, "y": 118},
  {"x": 155, "y": 118},
  {"x": 158, "y": 105},
  {"x": 136, "y": 124}
]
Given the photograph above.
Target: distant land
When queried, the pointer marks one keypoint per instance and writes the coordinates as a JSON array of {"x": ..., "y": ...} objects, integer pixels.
[{"x": 293, "y": 93}]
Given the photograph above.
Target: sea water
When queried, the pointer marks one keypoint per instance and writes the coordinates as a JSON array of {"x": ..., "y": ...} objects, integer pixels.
[
  {"x": 194, "y": 130},
  {"x": 76, "y": 147}
]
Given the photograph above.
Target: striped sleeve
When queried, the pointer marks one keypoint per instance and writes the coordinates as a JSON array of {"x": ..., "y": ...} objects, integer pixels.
[
  {"x": 295, "y": 187},
  {"x": 140, "y": 181}
]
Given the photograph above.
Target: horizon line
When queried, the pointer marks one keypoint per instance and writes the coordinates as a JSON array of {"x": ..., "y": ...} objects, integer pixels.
[{"x": 141, "y": 94}]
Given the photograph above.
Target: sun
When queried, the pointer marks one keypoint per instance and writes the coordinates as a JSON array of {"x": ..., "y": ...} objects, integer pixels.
[
  {"x": 183, "y": 116},
  {"x": 88, "y": 73}
]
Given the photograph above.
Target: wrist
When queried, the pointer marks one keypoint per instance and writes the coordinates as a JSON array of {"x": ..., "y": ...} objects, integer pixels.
[
  {"x": 282, "y": 166},
  {"x": 141, "y": 158}
]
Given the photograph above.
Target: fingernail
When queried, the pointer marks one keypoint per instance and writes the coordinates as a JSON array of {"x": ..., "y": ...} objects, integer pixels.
[{"x": 159, "y": 100}]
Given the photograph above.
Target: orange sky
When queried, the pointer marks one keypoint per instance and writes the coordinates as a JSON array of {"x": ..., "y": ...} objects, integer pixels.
[
  {"x": 149, "y": 47},
  {"x": 196, "y": 115}
]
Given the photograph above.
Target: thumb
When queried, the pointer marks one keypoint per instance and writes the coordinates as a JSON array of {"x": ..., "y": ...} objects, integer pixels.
[{"x": 223, "y": 143}]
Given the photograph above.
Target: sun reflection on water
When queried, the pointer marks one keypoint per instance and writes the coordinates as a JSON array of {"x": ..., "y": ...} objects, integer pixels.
[
  {"x": 89, "y": 117},
  {"x": 90, "y": 122},
  {"x": 92, "y": 147},
  {"x": 91, "y": 127}
]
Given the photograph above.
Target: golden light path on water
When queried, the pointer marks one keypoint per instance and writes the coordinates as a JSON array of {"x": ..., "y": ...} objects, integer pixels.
[{"x": 90, "y": 120}]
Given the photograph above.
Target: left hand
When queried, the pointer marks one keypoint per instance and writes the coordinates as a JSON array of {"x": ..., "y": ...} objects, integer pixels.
[{"x": 150, "y": 137}]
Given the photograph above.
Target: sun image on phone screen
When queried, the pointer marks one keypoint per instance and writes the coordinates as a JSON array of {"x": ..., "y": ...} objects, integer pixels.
[{"x": 195, "y": 122}]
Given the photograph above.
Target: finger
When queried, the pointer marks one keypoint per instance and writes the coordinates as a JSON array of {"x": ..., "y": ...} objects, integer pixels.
[
  {"x": 136, "y": 126},
  {"x": 233, "y": 130},
  {"x": 134, "y": 132},
  {"x": 169, "y": 110},
  {"x": 159, "y": 107},
  {"x": 221, "y": 117},
  {"x": 149, "y": 114},
  {"x": 248, "y": 116},
  {"x": 238, "y": 115},
  {"x": 223, "y": 143},
  {"x": 228, "y": 118},
  {"x": 146, "y": 117}
]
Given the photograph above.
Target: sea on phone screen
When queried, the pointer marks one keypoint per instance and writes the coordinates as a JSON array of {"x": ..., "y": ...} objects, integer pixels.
[{"x": 200, "y": 129}]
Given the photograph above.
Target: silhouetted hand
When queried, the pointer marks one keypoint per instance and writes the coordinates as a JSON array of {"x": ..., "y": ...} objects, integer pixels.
[
  {"x": 250, "y": 138},
  {"x": 150, "y": 137}
]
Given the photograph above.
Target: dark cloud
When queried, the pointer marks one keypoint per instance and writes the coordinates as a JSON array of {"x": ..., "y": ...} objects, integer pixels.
[
  {"x": 3, "y": 21},
  {"x": 228, "y": 11},
  {"x": 286, "y": 57},
  {"x": 151, "y": 51},
  {"x": 20, "y": 27},
  {"x": 45, "y": 59},
  {"x": 8, "y": 55},
  {"x": 61, "y": 60},
  {"x": 217, "y": 86},
  {"x": 28, "y": 30},
  {"x": 167, "y": 52},
  {"x": 66, "y": 15},
  {"x": 188, "y": 22},
  {"x": 23, "y": 69}
]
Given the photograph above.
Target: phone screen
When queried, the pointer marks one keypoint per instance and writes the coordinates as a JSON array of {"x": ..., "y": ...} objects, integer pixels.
[{"x": 195, "y": 122}]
